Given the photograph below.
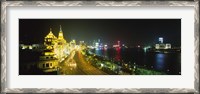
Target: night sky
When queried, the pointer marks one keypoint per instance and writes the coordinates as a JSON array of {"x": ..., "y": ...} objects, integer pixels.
[{"x": 129, "y": 31}]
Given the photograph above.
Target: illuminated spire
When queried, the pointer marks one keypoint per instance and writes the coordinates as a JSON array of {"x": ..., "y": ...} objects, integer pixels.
[
  {"x": 50, "y": 30},
  {"x": 60, "y": 34},
  {"x": 60, "y": 28},
  {"x": 50, "y": 35}
]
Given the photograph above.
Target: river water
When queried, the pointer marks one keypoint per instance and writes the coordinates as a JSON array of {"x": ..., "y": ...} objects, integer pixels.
[{"x": 170, "y": 63}]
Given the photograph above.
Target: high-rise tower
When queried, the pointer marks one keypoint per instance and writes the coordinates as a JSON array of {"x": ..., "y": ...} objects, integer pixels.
[{"x": 160, "y": 39}]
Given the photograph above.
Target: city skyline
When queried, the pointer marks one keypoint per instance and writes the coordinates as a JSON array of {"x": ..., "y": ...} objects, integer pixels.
[
  {"x": 99, "y": 47},
  {"x": 129, "y": 31}
]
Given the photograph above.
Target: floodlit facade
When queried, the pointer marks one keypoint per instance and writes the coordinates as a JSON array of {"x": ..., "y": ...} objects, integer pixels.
[
  {"x": 55, "y": 50},
  {"x": 162, "y": 45},
  {"x": 56, "y": 46},
  {"x": 31, "y": 47},
  {"x": 160, "y": 39},
  {"x": 73, "y": 43},
  {"x": 50, "y": 40},
  {"x": 61, "y": 47},
  {"x": 48, "y": 66}
]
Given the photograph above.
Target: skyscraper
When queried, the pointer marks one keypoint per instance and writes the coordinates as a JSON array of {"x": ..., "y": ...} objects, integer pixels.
[{"x": 160, "y": 39}]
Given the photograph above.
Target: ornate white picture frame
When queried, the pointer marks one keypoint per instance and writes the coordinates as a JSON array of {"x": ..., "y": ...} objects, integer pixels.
[{"x": 5, "y": 49}]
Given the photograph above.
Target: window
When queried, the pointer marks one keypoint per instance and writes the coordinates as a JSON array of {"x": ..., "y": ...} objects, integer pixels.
[
  {"x": 43, "y": 65},
  {"x": 47, "y": 65}
]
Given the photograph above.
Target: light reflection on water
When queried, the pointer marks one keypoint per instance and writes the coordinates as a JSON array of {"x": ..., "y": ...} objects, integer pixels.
[
  {"x": 118, "y": 54},
  {"x": 168, "y": 62},
  {"x": 160, "y": 61}
]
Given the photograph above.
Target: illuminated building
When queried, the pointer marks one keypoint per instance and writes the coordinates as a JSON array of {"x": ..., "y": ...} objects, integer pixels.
[
  {"x": 97, "y": 46},
  {"x": 61, "y": 48},
  {"x": 31, "y": 47},
  {"x": 61, "y": 39},
  {"x": 55, "y": 50},
  {"x": 162, "y": 45},
  {"x": 124, "y": 46},
  {"x": 81, "y": 42},
  {"x": 115, "y": 46},
  {"x": 50, "y": 40},
  {"x": 99, "y": 40},
  {"x": 118, "y": 45},
  {"x": 55, "y": 47},
  {"x": 168, "y": 46},
  {"x": 48, "y": 66},
  {"x": 22, "y": 46},
  {"x": 160, "y": 40},
  {"x": 73, "y": 43},
  {"x": 105, "y": 47},
  {"x": 82, "y": 45}
]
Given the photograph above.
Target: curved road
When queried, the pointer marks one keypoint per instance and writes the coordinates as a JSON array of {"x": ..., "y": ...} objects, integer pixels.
[{"x": 75, "y": 64}]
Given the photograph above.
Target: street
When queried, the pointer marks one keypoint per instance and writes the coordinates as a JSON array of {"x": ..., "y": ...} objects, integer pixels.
[{"x": 75, "y": 64}]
